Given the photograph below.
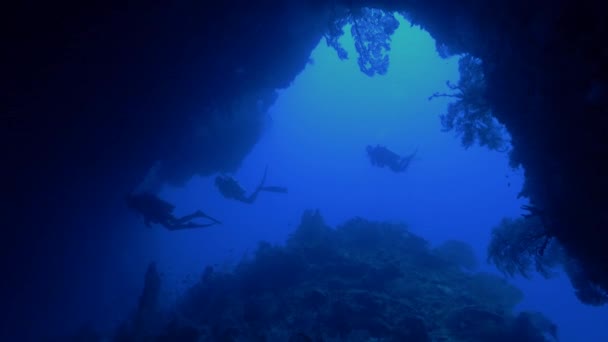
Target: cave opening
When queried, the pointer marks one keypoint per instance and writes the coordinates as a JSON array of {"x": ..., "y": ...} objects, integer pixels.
[
  {"x": 312, "y": 139},
  {"x": 314, "y": 142}
]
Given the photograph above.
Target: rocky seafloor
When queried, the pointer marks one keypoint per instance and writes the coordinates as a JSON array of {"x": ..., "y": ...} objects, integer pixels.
[{"x": 361, "y": 281}]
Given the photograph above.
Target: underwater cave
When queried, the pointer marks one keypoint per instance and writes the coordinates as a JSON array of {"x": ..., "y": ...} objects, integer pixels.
[{"x": 503, "y": 162}]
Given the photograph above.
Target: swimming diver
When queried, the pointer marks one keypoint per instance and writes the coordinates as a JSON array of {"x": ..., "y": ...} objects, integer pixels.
[
  {"x": 230, "y": 188},
  {"x": 381, "y": 156},
  {"x": 155, "y": 210}
]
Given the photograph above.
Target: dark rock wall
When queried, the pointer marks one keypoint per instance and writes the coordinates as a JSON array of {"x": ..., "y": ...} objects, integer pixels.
[
  {"x": 547, "y": 79},
  {"x": 96, "y": 94}
]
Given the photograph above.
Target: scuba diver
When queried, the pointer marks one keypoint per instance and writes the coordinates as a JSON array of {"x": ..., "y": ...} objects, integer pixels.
[
  {"x": 156, "y": 210},
  {"x": 230, "y": 188},
  {"x": 381, "y": 156}
]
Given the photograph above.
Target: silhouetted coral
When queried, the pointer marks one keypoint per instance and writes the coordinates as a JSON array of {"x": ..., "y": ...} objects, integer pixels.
[
  {"x": 371, "y": 30},
  {"x": 518, "y": 246},
  {"x": 585, "y": 289},
  {"x": 146, "y": 319},
  {"x": 458, "y": 253},
  {"x": 470, "y": 115},
  {"x": 370, "y": 280}
]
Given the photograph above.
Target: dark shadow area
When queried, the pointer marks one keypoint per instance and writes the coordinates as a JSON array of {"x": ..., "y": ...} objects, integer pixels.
[{"x": 96, "y": 95}]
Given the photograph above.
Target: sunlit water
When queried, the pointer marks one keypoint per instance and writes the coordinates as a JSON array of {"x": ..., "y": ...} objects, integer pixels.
[{"x": 314, "y": 144}]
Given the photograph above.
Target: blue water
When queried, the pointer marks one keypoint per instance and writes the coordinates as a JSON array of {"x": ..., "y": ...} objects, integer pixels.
[{"x": 314, "y": 144}]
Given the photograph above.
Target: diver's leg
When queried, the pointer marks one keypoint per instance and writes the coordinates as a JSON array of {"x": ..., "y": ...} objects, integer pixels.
[
  {"x": 199, "y": 213},
  {"x": 394, "y": 166},
  {"x": 263, "y": 178},
  {"x": 255, "y": 194},
  {"x": 404, "y": 163},
  {"x": 186, "y": 218}
]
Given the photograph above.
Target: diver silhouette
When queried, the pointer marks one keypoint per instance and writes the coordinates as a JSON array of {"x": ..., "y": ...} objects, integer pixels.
[
  {"x": 158, "y": 211},
  {"x": 231, "y": 189},
  {"x": 381, "y": 156}
]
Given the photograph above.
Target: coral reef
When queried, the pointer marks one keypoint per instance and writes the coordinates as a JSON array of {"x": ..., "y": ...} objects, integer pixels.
[
  {"x": 458, "y": 252},
  {"x": 552, "y": 100},
  {"x": 362, "y": 281},
  {"x": 521, "y": 246},
  {"x": 371, "y": 29},
  {"x": 470, "y": 115},
  {"x": 525, "y": 245}
]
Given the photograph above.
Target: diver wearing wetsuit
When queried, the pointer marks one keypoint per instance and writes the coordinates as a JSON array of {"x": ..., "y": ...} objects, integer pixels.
[
  {"x": 231, "y": 189},
  {"x": 157, "y": 211},
  {"x": 381, "y": 156}
]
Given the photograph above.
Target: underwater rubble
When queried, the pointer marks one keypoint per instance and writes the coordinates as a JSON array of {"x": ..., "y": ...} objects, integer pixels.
[{"x": 360, "y": 281}]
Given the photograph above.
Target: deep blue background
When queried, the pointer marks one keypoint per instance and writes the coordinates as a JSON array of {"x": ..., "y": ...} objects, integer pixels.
[{"x": 314, "y": 143}]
